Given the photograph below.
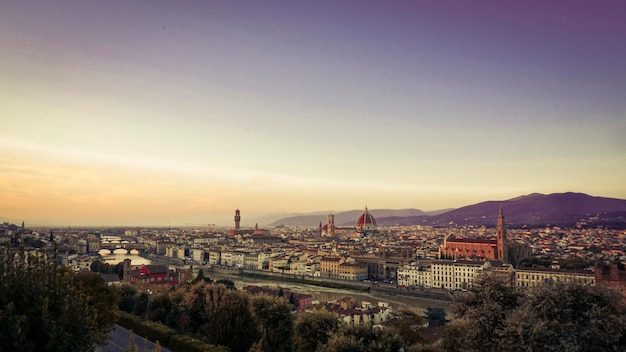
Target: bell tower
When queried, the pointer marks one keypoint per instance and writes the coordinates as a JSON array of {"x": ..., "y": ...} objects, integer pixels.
[
  {"x": 331, "y": 224},
  {"x": 501, "y": 239},
  {"x": 237, "y": 219}
]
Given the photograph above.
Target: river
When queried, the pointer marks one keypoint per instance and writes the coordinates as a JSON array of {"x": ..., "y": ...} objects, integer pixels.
[
  {"x": 325, "y": 294},
  {"x": 119, "y": 255},
  {"x": 320, "y": 294}
]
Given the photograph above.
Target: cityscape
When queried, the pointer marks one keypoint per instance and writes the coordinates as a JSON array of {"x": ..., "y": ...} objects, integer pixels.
[
  {"x": 312, "y": 176},
  {"x": 428, "y": 266}
]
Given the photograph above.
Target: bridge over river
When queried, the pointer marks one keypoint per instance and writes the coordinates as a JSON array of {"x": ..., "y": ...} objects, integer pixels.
[{"x": 115, "y": 245}]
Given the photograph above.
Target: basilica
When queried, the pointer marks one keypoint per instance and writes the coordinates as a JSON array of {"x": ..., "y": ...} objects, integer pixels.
[
  {"x": 473, "y": 248},
  {"x": 365, "y": 226}
]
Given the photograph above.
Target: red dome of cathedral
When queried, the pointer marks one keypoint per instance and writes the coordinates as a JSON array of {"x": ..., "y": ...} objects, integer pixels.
[{"x": 366, "y": 221}]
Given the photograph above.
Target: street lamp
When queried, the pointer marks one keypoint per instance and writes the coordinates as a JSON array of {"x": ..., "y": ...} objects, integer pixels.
[{"x": 148, "y": 305}]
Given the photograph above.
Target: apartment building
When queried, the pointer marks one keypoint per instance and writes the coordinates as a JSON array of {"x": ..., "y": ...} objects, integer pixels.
[{"x": 535, "y": 277}]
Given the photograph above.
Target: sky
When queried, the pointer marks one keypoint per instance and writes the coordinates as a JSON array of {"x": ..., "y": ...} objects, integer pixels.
[{"x": 169, "y": 113}]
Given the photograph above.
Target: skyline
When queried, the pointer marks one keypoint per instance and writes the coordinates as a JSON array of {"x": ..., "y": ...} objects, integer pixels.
[{"x": 165, "y": 114}]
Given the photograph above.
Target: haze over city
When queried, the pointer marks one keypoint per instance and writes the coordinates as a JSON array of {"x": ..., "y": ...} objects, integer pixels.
[{"x": 175, "y": 113}]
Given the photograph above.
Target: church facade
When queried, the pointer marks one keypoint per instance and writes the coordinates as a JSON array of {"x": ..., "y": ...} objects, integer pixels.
[{"x": 480, "y": 249}]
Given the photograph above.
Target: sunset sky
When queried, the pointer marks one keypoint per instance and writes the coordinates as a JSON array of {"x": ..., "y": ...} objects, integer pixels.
[{"x": 177, "y": 112}]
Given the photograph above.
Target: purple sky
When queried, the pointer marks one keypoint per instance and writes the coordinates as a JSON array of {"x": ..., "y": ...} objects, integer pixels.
[{"x": 189, "y": 109}]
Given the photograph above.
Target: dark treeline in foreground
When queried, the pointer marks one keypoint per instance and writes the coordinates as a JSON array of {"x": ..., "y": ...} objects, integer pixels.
[
  {"x": 494, "y": 316},
  {"x": 44, "y": 307}
]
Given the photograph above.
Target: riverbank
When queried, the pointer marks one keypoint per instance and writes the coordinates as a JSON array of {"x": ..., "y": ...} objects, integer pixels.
[
  {"x": 360, "y": 286},
  {"x": 322, "y": 294},
  {"x": 302, "y": 280},
  {"x": 160, "y": 259}
]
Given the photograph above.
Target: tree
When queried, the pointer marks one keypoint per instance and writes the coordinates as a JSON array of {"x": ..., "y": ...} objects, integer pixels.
[
  {"x": 482, "y": 313},
  {"x": 362, "y": 338},
  {"x": 220, "y": 316},
  {"x": 41, "y": 307},
  {"x": 275, "y": 321},
  {"x": 435, "y": 316},
  {"x": 229, "y": 284},
  {"x": 560, "y": 317},
  {"x": 100, "y": 296},
  {"x": 568, "y": 317},
  {"x": 132, "y": 345},
  {"x": 313, "y": 329},
  {"x": 160, "y": 307},
  {"x": 231, "y": 323},
  {"x": 128, "y": 297},
  {"x": 292, "y": 300},
  {"x": 407, "y": 325},
  {"x": 201, "y": 277}
]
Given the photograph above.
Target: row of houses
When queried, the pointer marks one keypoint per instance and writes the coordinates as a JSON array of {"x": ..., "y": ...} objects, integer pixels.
[{"x": 461, "y": 274}]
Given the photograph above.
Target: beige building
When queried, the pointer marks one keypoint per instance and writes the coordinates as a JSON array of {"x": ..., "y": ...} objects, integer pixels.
[
  {"x": 535, "y": 277},
  {"x": 414, "y": 275},
  {"x": 329, "y": 267},
  {"x": 457, "y": 274},
  {"x": 353, "y": 271}
]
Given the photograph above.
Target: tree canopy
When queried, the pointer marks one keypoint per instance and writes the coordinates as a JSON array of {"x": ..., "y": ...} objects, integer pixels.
[
  {"x": 493, "y": 316},
  {"x": 44, "y": 307},
  {"x": 312, "y": 329}
]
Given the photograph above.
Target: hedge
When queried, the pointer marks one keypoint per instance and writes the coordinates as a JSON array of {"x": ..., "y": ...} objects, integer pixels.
[{"x": 166, "y": 336}]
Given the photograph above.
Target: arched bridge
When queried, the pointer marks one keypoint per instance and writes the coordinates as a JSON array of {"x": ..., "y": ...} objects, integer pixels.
[{"x": 121, "y": 245}]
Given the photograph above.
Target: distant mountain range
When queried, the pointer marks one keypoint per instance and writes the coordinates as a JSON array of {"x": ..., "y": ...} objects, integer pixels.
[
  {"x": 557, "y": 209},
  {"x": 348, "y": 218}
]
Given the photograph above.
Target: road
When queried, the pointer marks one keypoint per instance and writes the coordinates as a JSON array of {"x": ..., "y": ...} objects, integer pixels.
[{"x": 118, "y": 341}]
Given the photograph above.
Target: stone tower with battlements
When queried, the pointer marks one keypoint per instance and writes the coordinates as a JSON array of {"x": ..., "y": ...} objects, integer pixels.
[{"x": 503, "y": 254}]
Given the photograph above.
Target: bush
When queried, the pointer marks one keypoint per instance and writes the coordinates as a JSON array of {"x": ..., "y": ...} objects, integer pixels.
[{"x": 165, "y": 335}]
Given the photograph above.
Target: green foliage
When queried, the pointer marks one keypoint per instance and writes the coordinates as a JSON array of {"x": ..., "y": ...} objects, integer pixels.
[
  {"x": 576, "y": 263},
  {"x": 362, "y": 338},
  {"x": 42, "y": 308},
  {"x": 292, "y": 300},
  {"x": 160, "y": 307},
  {"x": 275, "y": 321},
  {"x": 532, "y": 262},
  {"x": 221, "y": 316},
  {"x": 407, "y": 325},
  {"x": 102, "y": 297},
  {"x": 189, "y": 344},
  {"x": 230, "y": 284},
  {"x": 165, "y": 335},
  {"x": 141, "y": 305},
  {"x": 106, "y": 268},
  {"x": 231, "y": 322},
  {"x": 568, "y": 318},
  {"x": 561, "y": 317},
  {"x": 132, "y": 345},
  {"x": 483, "y": 312},
  {"x": 313, "y": 329},
  {"x": 201, "y": 277},
  {"x": 435, "y": 316},
  {"x": 128, "y": 297}
]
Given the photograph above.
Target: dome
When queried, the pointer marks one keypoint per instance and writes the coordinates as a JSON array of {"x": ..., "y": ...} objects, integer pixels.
[{"x": 366, "y": 222}]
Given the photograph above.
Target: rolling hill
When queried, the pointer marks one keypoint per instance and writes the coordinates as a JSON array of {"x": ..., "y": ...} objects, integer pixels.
[
  {"x": 563, "y": 209},
  {"x": 348, "y": 218}
]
